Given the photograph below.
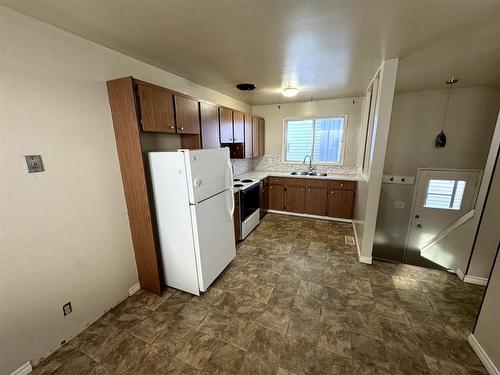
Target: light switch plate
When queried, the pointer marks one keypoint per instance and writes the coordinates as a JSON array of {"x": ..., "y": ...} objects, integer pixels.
[{"x": 34, "y": 163}]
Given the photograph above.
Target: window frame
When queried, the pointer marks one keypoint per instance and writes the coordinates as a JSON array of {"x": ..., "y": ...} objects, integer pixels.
[{"x": 345, "y": 116}]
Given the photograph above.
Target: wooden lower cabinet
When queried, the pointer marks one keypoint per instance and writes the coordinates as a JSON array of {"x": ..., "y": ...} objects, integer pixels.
[
  {"x": 237, "y": 217},
  {"x": 276, "y": 197},
  {"x": 295, "y": 195},
  {"x": 340, "y": 203},
  {"x": 312, "y": 196},
  {"x": 264, "y": 197},
  {"x": 316, "y": 198}
]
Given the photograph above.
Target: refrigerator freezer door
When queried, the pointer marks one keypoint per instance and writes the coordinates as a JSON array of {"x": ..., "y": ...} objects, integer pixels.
[
  {"x": 173, "y": 213},
  {"x": 209, "y": 173},
  {"x": 214, "y": 236}
]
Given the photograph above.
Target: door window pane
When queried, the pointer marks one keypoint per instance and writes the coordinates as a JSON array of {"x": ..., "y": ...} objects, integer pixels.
[{"x": 445, "y": 194}]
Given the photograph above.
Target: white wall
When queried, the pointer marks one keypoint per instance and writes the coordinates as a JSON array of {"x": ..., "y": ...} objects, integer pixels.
[
  {"x": 487, "y": 330},
  {"x": 416, "y": 120},
  {"x": 274, "y": 114},
  {"x": 368, "y": 190},
  {"x": 64, "y": 232}
]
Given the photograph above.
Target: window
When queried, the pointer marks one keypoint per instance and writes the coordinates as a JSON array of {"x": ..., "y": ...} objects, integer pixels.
[
  {"x": 321, "y": 138},
  {"x": 445, "y": 194}
]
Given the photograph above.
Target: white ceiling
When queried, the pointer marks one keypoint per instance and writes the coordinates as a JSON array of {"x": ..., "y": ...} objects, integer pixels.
[{"x": 327, "y": 48}]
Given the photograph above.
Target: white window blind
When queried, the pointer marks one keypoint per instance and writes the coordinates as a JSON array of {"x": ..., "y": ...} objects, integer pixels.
[
  {"x": 445, "y": 194},
  {"x": 321, "y": 138}
]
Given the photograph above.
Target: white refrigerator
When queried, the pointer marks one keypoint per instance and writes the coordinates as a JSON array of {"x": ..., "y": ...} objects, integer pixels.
[{"x": 194, "y": 205}]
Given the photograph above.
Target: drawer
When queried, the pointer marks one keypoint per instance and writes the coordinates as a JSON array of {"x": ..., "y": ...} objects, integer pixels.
[
  {"x": 343, "y": 185},
  {"x": 276, "y": 180},
  {"x": 312, "y": 182},
  {"x": 295, "y": 181}
]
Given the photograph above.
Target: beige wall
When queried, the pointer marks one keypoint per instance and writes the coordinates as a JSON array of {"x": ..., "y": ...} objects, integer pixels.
[
  {"x": 487, "y": 330},
  {"x": 64, "y": 232},
  {"x": 416, "y": 119},
  {"x": 274, "y": 115},
  {"x": 488, "y": 235}
]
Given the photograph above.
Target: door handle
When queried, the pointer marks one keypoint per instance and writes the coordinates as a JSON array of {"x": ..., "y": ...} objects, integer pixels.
[
  {"x": 417, "y": 216},
  {"x": 419, "y": 226}
]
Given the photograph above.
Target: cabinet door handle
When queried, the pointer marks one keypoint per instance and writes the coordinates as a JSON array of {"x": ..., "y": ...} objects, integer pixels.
[
  {"x": 341, "y": 184},
  {"x": 301, "y": 189},
  {"x": 172, "y": 127},
  {"x": 309, "y": 190}
]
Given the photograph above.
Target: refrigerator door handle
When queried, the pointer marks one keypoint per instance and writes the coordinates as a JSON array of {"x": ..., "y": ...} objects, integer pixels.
[
  {"x": 230, "y": 212},
  {"x": 230, "y": 167}
]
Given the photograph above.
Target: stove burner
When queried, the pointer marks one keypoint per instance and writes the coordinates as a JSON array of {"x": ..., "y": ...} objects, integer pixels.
[
  {"x": 236, "y": 179},
  {"x": 246, "y": 180},
  {"x": 238, "y": 185}
]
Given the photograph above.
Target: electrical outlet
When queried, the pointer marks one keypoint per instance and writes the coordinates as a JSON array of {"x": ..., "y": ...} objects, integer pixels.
[
  {"x": 67, "y": 309},
  {"x": 34, "y": 163},
  {"x": 399, "y": 204}
]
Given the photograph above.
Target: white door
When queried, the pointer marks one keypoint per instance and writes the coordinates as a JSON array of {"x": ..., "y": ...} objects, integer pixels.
[
  {"x": 209, "y": 172},
  {"x": 214, "y": 236},
  {"x": 442, "y": 197}
]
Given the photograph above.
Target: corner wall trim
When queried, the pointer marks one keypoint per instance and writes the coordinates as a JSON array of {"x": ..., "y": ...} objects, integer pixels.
[
  {"x": 460, "y": 274},
  {"x": 23, "y": 370},
  {"x": 134, "y": 289},
  {"x": 483, "y": 356},
  {"x": 475, "y": 280},
  {"x": 366, "y": 260}
]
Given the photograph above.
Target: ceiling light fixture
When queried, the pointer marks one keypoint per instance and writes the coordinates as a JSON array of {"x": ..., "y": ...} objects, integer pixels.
[
  {"x": 290, "y": 92},
  {"x": 440, "y": 140}
]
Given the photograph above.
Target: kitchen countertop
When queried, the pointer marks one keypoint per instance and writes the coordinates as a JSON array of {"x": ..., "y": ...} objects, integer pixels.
[{"x": 259, "y": 175}]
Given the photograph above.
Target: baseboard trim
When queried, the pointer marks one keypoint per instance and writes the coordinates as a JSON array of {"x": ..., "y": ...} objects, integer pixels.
[
  {"x": 310, "y": 216},
  {"x": 23, "y": 370},
  {"x": 475, "y": 280},
  {"x": 134, "y": 289},
  {"x": 483, "y": 356},
  {"x": 460, "y": 274},
  {"x": 365, "y": 260}
]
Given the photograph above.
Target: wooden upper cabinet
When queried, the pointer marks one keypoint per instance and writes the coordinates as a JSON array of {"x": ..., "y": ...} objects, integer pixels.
[
  {"x": 157, "y": 109},
  {"x": 187, "y": 115},
  {"x": 261, "y": 137},
  {"x": 248, "y": 136},
  {"x": 209, "y": 118},
  {"x": 226, "y": 125},
  {"x": 238, "y": 127},
  {"x": 255, "y": 136}
]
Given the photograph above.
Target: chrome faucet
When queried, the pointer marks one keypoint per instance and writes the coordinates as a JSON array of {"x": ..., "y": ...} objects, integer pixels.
[{"x": 311, "y": 167}]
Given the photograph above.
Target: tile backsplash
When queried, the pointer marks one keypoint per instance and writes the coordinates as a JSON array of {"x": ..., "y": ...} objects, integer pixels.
[
  {"x": 241, "y": 166},
  {"x": 275, "y": 163}
]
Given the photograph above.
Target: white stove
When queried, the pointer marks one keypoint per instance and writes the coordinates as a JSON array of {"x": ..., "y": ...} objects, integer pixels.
[
  {"x": 244, "y": 184},
  {"x": 249, "y": 204}
]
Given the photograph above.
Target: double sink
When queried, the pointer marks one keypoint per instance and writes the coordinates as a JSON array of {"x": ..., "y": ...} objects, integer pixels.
[{"x": 308, "y": 174}]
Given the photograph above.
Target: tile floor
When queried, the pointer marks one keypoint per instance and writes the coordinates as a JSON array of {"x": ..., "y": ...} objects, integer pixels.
[{"x": 294, "y": 301}]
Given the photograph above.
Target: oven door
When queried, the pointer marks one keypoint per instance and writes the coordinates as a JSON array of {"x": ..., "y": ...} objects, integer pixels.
[{"x": 250, "y": 201}]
